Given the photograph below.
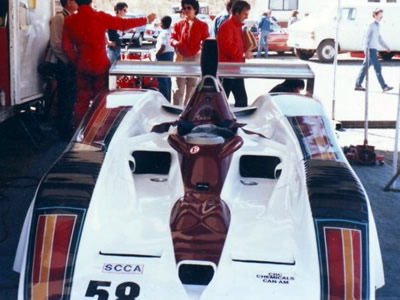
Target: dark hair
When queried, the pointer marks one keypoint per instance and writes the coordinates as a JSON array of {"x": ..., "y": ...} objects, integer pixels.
[
  {"x": 83, "y": 2},
  {"x": 294, "y": 13},
  {"x": 239, "y": 6},
  {"x": 376, "y": 12},
  {"x": 288, "y": 86},
  {"x": 193, "y": 3},
  {"x": 166, "y": 21},
  {"x": 120, "y": 6},
  {"x": 230, "y": 4},
  {"x": 63, "y": 3}
]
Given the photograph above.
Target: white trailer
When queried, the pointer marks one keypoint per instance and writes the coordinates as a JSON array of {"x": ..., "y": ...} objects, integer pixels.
[
  {"x": 24, "y": 35},
  {"x": 281, "y": 9}
]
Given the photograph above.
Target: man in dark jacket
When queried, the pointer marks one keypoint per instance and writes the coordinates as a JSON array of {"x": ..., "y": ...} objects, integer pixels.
[
  {"x": 114, "y": 36},
  {"x": 84, "y": 40},
  {"x": 264, "y": 25},
  {"x": 65, "y": 71}
]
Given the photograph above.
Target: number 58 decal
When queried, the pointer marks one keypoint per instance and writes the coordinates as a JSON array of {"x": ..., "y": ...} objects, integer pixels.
[{"x": 124, "y": 291}]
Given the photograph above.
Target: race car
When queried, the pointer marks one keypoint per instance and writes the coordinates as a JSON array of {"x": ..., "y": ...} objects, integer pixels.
[{"x": 206, "y": 201}]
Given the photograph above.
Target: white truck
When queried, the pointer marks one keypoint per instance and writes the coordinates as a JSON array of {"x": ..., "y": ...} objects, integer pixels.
[
  {"x": 24, "y": 35},
  {"x": 316, "y": 33}
]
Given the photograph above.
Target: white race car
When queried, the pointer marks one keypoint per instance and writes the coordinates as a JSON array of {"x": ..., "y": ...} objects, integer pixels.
[{"x": 153, "y": 201}]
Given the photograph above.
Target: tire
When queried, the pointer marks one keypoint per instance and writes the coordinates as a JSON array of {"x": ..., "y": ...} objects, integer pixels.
[
  {"x": 304, "y": 54},
  {"x": 386, "y": 55},
  {"x": 326, "y": 51},
  {"x": 139, "y": 41}
]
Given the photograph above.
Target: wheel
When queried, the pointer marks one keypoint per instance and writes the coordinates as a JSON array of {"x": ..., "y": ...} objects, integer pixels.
[
  {"x": 139, "y": 41},
  {"x": 386, "y": 55},
  {"x": 304, "y": 54},
  {"x": 326, "y": 51}
]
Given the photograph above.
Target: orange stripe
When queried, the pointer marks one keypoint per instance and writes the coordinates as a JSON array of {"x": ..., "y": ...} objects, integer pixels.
[
  {"x": 96, "y": 125},
  {"x": 348, "y": 263},
  {"x": 40, "y": 291}
]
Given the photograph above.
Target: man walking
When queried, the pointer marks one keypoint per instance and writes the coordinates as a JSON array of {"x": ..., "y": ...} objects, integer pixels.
[
  {"x": 231, "y": 49},
  {"x": 264, "y": 25},
  {"x": 65, "y": 71},
  {"x": 372, "y": 41}
]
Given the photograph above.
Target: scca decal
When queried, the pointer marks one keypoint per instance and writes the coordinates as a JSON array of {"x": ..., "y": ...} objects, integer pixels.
[{"x": 122, "y": 268}]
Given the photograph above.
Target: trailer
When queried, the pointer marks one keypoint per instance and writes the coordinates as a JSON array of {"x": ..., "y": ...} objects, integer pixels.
[{"x": 24, "y": 36}]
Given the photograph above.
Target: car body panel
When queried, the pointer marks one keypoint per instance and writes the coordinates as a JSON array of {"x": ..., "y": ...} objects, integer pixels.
[{"x": 289, "y": 196}]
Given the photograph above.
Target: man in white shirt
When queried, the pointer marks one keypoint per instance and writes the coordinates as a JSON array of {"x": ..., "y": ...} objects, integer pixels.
[
  {"x": 65, "y": 72},
  {"x": 165, "y": 52},
  {"x": 372, "y": 41}
]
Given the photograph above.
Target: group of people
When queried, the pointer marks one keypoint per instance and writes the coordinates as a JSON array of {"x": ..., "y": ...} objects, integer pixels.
[
  {"x": 185, "y": 41},
  {"x": 78, "y": 39}
]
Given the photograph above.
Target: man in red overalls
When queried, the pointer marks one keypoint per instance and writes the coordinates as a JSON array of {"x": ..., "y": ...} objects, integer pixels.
[{"x": 84, "y": 40}]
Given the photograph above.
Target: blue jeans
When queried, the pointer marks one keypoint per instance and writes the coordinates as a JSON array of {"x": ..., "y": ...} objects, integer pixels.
[
  {"x": 263, "y": 42},
  {"x": 113, "y": 54},
  {"x": 373, "y": 59},
  {"x": 164, "y": 83}
]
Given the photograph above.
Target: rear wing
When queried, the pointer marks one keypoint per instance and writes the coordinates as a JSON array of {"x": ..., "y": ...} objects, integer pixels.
[{"x": 225, "y": 70}]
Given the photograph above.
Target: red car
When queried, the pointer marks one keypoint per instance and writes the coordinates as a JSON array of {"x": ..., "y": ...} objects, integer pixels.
[{"x": 276, "y": 39}]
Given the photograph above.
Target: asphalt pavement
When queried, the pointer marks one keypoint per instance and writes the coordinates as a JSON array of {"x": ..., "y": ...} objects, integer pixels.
[{"x": 24, "y": 159}]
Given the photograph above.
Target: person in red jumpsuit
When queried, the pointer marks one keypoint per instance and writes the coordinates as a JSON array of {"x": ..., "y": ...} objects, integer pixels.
[{"x": 84, "y": 42}]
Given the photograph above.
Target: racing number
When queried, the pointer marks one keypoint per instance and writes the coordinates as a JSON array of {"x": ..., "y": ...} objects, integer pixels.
[
  {"x": 124, "y": 291},
  {"x": 133, "y": 291}
]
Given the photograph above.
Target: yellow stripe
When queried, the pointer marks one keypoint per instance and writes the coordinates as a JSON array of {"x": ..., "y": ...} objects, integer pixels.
[
  {"x": 348, "y": 263},
  {"x": 96, "y": 125},
  {"x": 40, "y": 291}
]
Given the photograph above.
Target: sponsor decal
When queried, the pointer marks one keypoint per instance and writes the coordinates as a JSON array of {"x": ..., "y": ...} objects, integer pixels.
[
  {"x": 122, "y": 268},
  {"x": 275, "y": 278},
  {"x": 194, "y": 149}
]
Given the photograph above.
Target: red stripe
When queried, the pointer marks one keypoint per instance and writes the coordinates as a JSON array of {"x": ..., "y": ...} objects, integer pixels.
[
  {"x": 37, "y": 255},
  {"x": 356, "y": 237},
  {"x": 107, "y": 124},
  {"x": 61, "y": 244},
  {"x": 93, "y": 118},
  {"x": 334, "y": 246}
]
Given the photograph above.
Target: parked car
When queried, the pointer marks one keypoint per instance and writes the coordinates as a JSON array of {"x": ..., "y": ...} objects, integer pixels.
[
  {"x": 276, "y": 39},
  {"x": 316, "y": 33},
  {"x": 134, "y": 36},
  {"x": 151, "y": 32},
  {"x": 156, "y": 201}
]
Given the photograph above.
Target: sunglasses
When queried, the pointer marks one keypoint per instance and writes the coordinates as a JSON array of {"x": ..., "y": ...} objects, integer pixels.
[{"x": 187, "y": 8}]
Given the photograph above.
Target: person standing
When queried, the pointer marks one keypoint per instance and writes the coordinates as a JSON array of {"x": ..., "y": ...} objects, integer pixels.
[
  {"x": 372, "y": 40},
  {"x": 223, "y": 16},
  {"x": 114, "y": 36},
  {"x": 65, "y": 71},
  {"x": 165, "y": 52},
  {"x": 186, "y": 37},
  {"x": 293, "y": 18},
  {"x": 264, "y": 25},
  {"x": 231, "y": 49},
  {"x": 84, "y": 40}
]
